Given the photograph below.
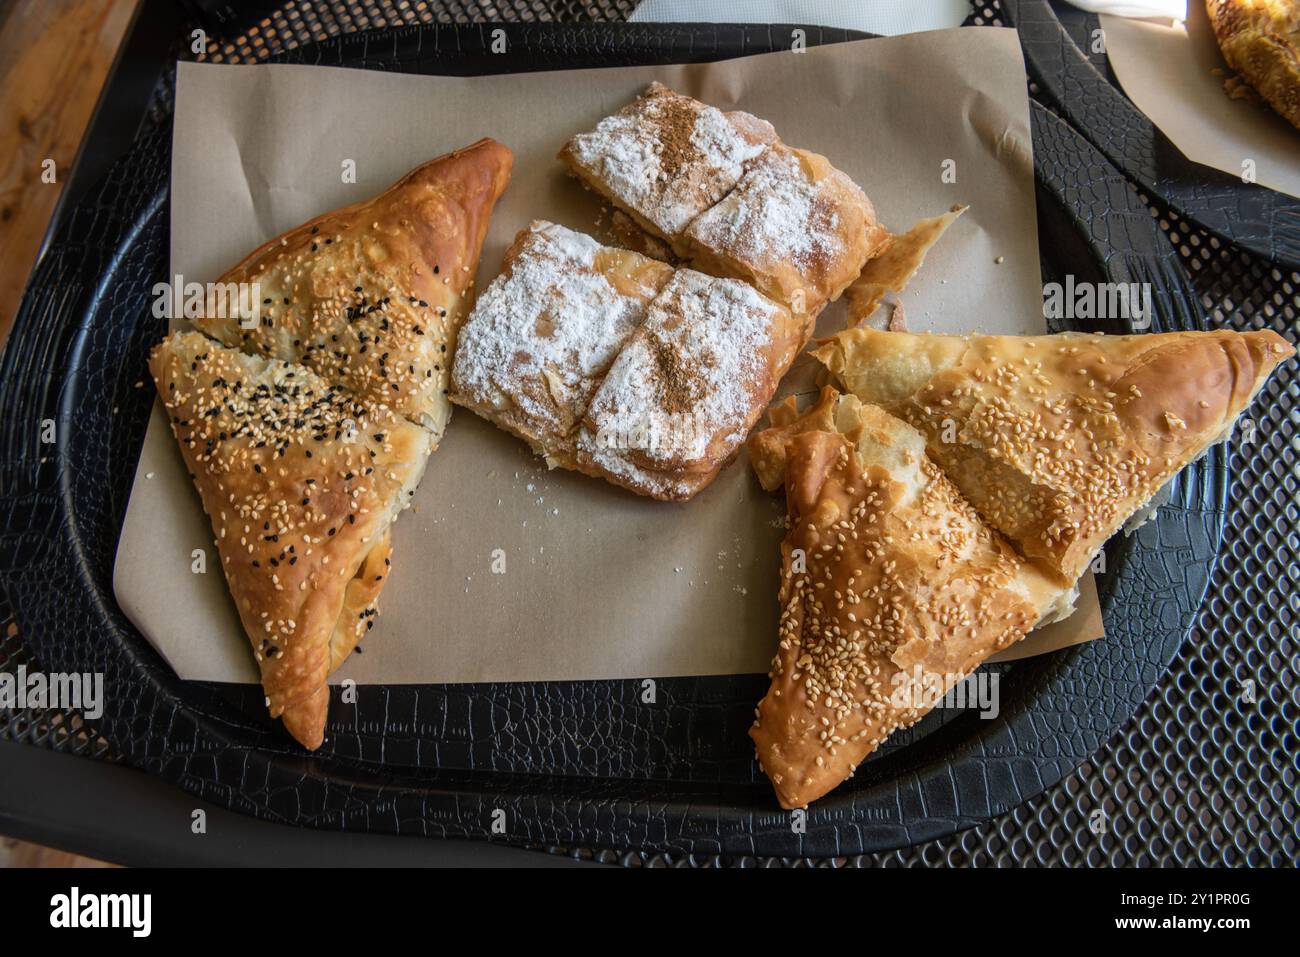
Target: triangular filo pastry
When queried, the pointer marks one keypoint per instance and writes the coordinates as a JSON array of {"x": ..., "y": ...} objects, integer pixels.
[
  {"x": 1058, "y": 440},
  {"x": 371, "y": 296},
  {"x": 892, "y": 590},
  {"x": 302, "y": 483}
]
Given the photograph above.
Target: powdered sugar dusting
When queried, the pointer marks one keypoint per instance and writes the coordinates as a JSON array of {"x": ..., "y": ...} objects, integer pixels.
[
  {"x": 669, "y": 157},
  {"x": 683, "y": 391},
  {"x": 544, "y": 332},
  {"x": 775, "y": 214}
]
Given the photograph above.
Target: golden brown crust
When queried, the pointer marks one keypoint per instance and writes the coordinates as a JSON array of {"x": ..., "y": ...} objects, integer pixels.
[
  {"x": 371, "y": 296},
  {"x": 1260, "y": 39},
  {"x": 890, "y": 585},
  {"x": 1057, "y": 440},
  {"x": 301, "y": 482}
]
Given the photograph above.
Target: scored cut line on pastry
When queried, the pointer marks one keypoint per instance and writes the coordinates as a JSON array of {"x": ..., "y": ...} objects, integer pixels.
[
  {"x": 619, "y": 366},
  {"x": 687, "y": 387},
  {"x": 546, "y": 330}
]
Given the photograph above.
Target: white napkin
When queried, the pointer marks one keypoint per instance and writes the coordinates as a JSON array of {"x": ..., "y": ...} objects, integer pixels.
[
  {"x": 885, "y": 17},
  {"x": 1141, "y": 9}
]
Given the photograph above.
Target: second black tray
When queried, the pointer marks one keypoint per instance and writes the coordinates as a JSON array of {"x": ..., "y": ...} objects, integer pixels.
[{"x": 1254, "y": 217}]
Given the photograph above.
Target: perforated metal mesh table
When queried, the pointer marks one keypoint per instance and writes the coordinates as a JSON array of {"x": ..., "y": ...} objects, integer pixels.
[{"x": 1207, "y": 771}]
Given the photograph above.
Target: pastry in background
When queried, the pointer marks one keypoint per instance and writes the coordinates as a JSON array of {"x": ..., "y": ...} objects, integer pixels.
[
  {"x": 892, "y": 591},
  {"x": 1260, "y": 39},
  {"x": 1058, "y": 440},
  {"x": 371, "y": 296},
  {"x": 544, "y": 333},
  {"x": 302, "y": 482}
]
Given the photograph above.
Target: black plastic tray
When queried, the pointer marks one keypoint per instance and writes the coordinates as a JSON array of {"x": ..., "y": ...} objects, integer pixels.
[
  {"x": 569, "y": 763},
  {"x": 1079, "y": 86}
]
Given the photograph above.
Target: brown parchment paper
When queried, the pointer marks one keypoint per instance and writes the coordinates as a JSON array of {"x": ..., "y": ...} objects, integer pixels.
[
  {"x": 1168, "y": 71},
  {"x": 598, "y": 583}
]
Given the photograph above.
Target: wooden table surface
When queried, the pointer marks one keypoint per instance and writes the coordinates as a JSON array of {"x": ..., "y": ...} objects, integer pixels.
[{"x": 54, "y": 58}]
